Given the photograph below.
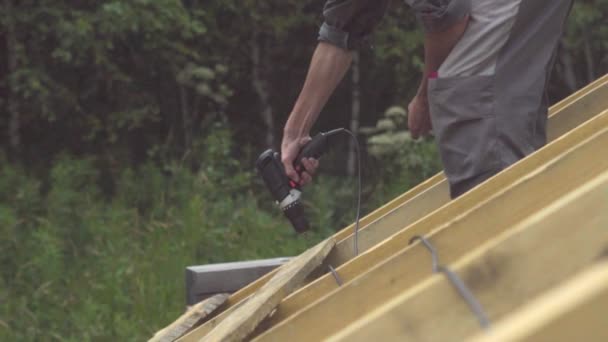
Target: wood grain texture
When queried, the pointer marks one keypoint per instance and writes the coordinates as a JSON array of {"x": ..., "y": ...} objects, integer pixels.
[
  {"x": 561, "y": 121},
  {"x": 570, "y": 169},
  {"x": 190, "y": 319},
  {"x": 422, "y": 200},
  {"x": 579, "y": 93},
  {"x": 243, "y": 320},
  {"x": 575, "y": 311},
  {"x": 513, "y": 268},
  {"x": 355, "y": 267}
]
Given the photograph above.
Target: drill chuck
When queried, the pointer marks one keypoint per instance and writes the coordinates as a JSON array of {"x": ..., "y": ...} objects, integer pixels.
[
  {"x": 287, "y": 197},
  {"x": 295, "y": 214},
  {"x": 285, "y": 191}
]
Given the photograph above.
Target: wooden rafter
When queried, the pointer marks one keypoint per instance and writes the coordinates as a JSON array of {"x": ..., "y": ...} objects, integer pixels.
[
  {"x": 574, "y": 311},
  {"x": 384, "y": 250},
  {"x": 246, "y": 317},
  {"x": 570, "y": 167},
  {"x": 429, "y": 196},
  {"x": 513, "y": 268}
]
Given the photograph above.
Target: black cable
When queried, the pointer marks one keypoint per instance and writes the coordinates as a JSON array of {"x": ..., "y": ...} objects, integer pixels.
[
  {"x": 358, "y": 150},
  {"x": 352, "y": 135}
]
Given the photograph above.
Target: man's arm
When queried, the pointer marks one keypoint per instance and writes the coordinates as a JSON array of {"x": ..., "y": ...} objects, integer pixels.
[
  {"x": 439, "y": 40},
  {"x": 327, "y": 68},
  {"x": 347, "y": 24},
  {"x": 437, "y": 47}
]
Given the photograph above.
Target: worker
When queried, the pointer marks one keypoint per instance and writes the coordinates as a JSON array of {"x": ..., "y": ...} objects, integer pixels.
[{"x": 487, "y": 63}]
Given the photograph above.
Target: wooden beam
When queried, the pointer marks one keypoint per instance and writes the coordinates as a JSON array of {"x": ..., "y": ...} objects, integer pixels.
[
  {"x": 561, "y": 121},
  {"x": 575, "y": 311},
  {"x": 390, "y": 206},
  {"x": 190, "y": 319},
  {"x": 245, "y": 318},
  {"x": 204, "y": 329},
  {"x": 239, "y": 297},
  {"x": 454, "y": 209},
  {"x": 457, "y": 236},
  {"x": 594, "y": 101},
  {"x": 579, "y": 93},
  {"x": 402, "y": 217},
  {"x": 246, "y": 291},
  {"x": 428, "y": 196},
  {"x": 505, "y": 273}
]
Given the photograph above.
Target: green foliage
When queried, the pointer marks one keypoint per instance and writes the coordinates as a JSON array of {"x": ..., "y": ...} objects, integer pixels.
[
  {"x": 98, "y": 72},
  {"x": 138, "y": 131},
  {"x": 81, "y": 267},
  {"x": 405, "y": 162}
]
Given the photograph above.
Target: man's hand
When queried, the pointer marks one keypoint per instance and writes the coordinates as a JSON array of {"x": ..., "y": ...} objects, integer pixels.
[
  {"x": 290, "y": 147},
  {"x": 437, "y": 47},
  {"x": 418, "y": 117}
]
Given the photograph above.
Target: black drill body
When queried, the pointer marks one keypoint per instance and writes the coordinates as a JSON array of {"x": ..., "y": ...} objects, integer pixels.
[{"x": 286, "y": 191}]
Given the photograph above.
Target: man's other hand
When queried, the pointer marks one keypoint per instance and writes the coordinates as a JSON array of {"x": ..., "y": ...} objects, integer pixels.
[
  {"x": 290, "y": 147},
  {"x": 418, "y": 117}
]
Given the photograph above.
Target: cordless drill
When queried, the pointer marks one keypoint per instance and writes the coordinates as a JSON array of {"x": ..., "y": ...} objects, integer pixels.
[{"x": 286, "y": 191}]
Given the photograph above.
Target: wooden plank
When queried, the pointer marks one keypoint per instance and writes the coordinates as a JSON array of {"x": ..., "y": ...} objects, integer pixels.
[
  {"x": 245, "y": 318},
  {"x": 390, "y": 206},
  {"x": 368, "y": 219},
  {"x": 429, "y": 195},
  {"x": 242, "y": 295},
  {"x": 575, "y": 311},
  {"x": 454, "y": 209},
  {"x": 436, "y": 188},
  {"x": 204, "y": 329},
  {"x": 536, "y": 255},
  {"x": 454, "y": 238},
  {"x": 584, "y": 108},
  {"x": 579, "y": 93},
  {"x": 561, "y": 121},
  {"x": 190, "y": 319}
]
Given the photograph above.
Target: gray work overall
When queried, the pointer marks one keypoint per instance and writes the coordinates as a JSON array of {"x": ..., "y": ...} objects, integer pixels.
[{"x": 487, "y": 100}]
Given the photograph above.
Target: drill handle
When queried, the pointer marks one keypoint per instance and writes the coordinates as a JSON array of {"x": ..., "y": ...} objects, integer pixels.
[{"x": 313, "y": 149}]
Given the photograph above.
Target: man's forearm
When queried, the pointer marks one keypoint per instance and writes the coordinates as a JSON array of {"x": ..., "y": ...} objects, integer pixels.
[
  {"x": 327, "y": 68},
  {"x": 437, "y": 47}
]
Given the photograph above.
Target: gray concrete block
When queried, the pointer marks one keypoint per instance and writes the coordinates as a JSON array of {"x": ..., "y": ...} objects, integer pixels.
[{"x": 207, "y": 280}]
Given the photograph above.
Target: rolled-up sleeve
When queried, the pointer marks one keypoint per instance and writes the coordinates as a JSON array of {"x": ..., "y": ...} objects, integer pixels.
[
  {"x": 348, "y": 23},
  {"x": 438, "y": 15}
]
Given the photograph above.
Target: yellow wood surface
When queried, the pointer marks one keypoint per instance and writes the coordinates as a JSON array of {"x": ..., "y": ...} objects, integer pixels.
[
  {"x": 240, "y": 296},
  {"x": 561, "y": 121},
  {"x": 344, "y": 233},
  {"x": 579, "y": 93},
  {"x": 390, "y": 206},
  {"x": 416, "y": 203},
  {"x": 190, "y": 319},
  {"x": 575, "y": 311},
  {"x": 414, "y": 192},
  {"x": 513, "y": 268},
  {"x": 377, "y": 254},
  {"x": 528, "y": 194},
  {"x": 245, "y": 318},
  {"x": 202, "y": 330}
]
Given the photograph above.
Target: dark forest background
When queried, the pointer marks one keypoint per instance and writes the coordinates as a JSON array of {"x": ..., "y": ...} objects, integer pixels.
[{"x": 129, "y": 130}]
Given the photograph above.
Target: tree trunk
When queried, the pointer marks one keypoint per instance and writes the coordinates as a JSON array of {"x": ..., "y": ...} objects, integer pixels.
[
  {"x": 355, "y": 113},
  {"x": 589, "y": 61},
  {"x": 260, "y": 85},
  {"x": 568, "y": 73},
  {"x": 186, "y": 117},
  {"x": 14, "y": 123}
]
